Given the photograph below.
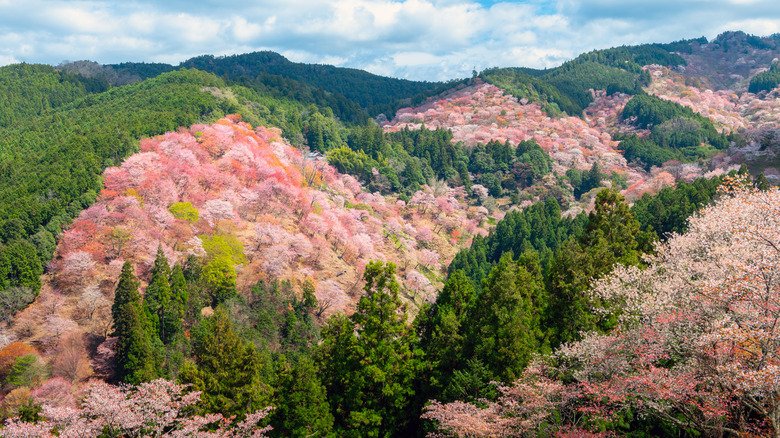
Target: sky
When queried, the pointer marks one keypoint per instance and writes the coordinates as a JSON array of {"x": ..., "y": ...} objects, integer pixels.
[{"x": 413, "y": 39}]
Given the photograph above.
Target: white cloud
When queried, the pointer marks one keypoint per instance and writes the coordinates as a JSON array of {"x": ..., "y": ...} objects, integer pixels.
[
  {"x": 755, "y": 26},
  {"x": 78, "y": 20},
  {"x": 6, "y": 59},
  {"x": 418, "y": 39}
]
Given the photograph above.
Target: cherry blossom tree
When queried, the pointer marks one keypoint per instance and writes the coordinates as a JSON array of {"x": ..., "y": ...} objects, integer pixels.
[
  {"x": 90, "y": 301},
  {"x": 152, "y": 409},
  {"x": 329, "y": 294},
  {"x": 56, "y": 392},
  {"x": 697, "y": 344},
  {"x": 76, "y": 266},
  {"x": 70, "y": 360},
  {"x": 429, "y": 259},
  {"x": 526, "y": 408}
]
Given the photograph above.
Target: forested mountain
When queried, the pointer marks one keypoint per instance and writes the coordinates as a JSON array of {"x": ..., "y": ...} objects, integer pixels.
[
  {"x": 578, "y": 251},
  {"x": 338, "y": 86}
]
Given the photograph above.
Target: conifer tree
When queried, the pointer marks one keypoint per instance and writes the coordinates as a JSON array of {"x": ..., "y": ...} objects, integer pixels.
[
  {"x": 369, "y": 361},
  {"x": 136, "y": 359},
  {"x": 302, "y": 406},
  {"x": 762, "y": 183},
  {"x": 503, "y": 325},
  {"x": 611, "y": 236},
  {"x": 180, "y": 296},
  {"x": 226, "y": 370},
  {"x": 126, "y": 292},
  {"x": 158, "y": 296}
]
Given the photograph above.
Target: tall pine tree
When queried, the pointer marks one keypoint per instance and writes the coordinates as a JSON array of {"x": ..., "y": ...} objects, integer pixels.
[
  {"x": 611, "y": 236},
  {"x": 226, "y": 370},
  {"x": 368, "y": 361},
  {"x": 136, "y": 359},
  {"x": 158, "y": 296}
]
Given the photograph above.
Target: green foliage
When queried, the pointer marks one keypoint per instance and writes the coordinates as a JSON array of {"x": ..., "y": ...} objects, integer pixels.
[
  {"x": 471, "y": 339},
  {"x": 224, "y": 246},
  {"x": 583, "y": 182},
  {"x": 137, "y": 357},
  {"x": 539, "y": 227},
  {"x": 20, "y": 266},
  {"x": 682, "y": 46},
  {"x": 676, "y": 132},
  {"x": 157, "y": 299},
  {"x": 184, "y": 211},
  {"x": 225, "y": 369},
  {"x": 368, "y": 361},
  {"x": 30, "y": 411},
  {"x": 28, "y": 90},
  {"x": 565, "y": 88},
  {"x": 302, "y": 408},
  {"x": 27, "y": 370},
  {"x": 767, "y": 80},
  {"x": 575, "y": 78},
  {"x": 645, "y": 152},
  {"x": 177, "y": 304},
  {"x": 373, "y": 93},
  {"x": 611, "y": 236},
  {"x": 441, "y": 333},
  {"x": 499, "y": 166},
  {"x": 651, "y": 111},
  {"x": 347, "y": 161},
  {"x": 403, "y": 160},
  {"x": 44, "y": 244},
  {"x": 219, "y": 278},
  {"x": 50, "y": 160},
  {"x": 668, "y": 210},
  {"x": 223, "y": 251},
  {"x": 272, "y": 316},
  {"x": 503, "y": 325}
]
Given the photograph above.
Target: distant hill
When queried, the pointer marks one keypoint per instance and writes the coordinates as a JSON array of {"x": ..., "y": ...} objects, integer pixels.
[
  {"x": 729, "y": 61},
  {"x": 373, "y": 93},
  {"x": 565, "y": 88}
]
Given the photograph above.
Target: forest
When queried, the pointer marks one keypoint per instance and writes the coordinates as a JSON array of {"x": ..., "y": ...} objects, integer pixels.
[{"x": 245, "y": 246}]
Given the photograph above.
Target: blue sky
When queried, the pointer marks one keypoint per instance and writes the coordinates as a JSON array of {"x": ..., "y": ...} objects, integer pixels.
[{"x": 414, "y": 39}]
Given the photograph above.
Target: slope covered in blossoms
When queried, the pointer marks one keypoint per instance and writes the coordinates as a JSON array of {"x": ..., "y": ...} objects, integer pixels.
[
  {"x": 755, "y": 116},
  {"x": 282, "y": 216},
  {"x": 482, "y": 112}
]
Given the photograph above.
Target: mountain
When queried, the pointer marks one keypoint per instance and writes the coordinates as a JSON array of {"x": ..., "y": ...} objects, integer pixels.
[{"x": 374, "y": 94}]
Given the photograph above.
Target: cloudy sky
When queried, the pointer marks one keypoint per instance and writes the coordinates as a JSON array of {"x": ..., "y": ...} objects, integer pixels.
[{"x": 414, "y": 39}]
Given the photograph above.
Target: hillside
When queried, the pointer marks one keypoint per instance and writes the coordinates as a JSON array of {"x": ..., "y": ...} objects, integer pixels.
[
  {"x": 482, "y": 112},
  {"x": 285, "y": 218},
  {"x": 729, "y": 61}
]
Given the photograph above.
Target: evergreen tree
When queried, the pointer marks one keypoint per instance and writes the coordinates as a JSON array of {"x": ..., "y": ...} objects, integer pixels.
[
  {"x": 177, "y": 305},
  {"x": 441, "y": 338},
  {"x": 135, "y": 352},
  {"x": 158, "y": 296},
  {"x": 126, "y": 293},
  {"x": 503, "y": 324},
  {"x": 302, "y": 407},
  {"x": 368, "y": 361},
  {"x": 226, "y": 370},
  {"x": 441, "y": 331},
  {"x": 611, "y": 236},
  {"x": 762, "y": 183},
  {"x": 20, "y": 265},
  {"x": 136, "y": 359}
]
